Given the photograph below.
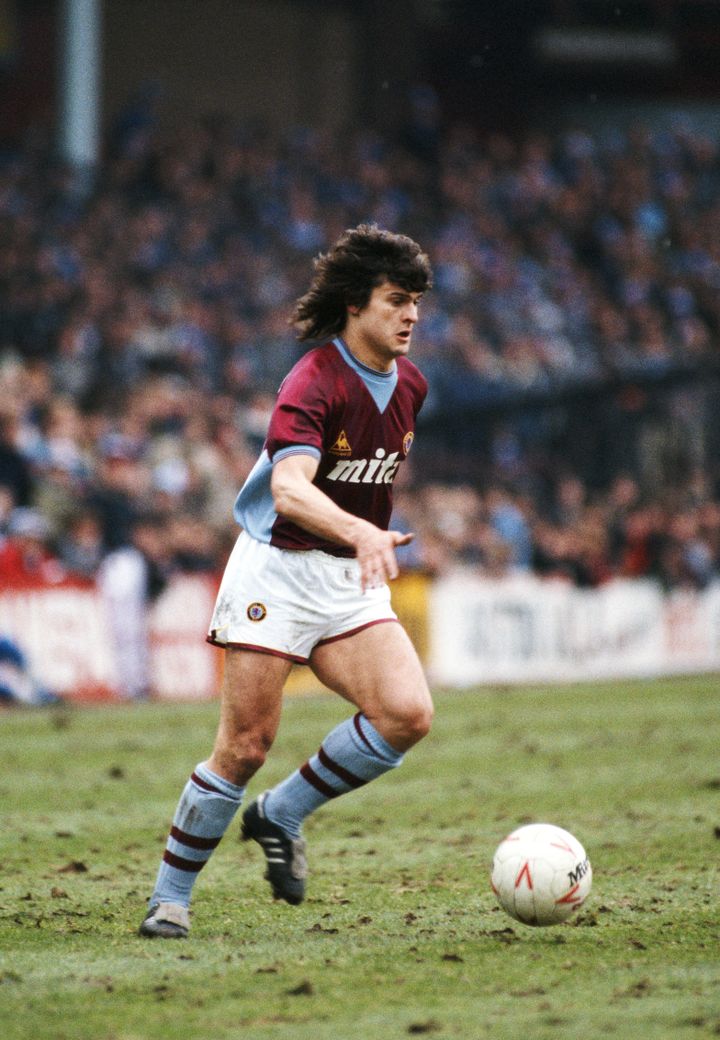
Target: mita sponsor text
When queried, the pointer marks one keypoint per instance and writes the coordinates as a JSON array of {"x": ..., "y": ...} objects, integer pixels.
[{"x": 380, "y": 470}]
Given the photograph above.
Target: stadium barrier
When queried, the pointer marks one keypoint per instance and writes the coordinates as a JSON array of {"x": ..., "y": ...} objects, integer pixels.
[
  {"x": 467, "y": 630},
  {"x": 80, "y": 647},
  {"x": 524, "y": 630},
  {"x": 64, "y": 636}
]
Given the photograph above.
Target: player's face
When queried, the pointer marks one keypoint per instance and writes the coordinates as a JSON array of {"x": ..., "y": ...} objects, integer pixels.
[{"x": 381, "y": 331}]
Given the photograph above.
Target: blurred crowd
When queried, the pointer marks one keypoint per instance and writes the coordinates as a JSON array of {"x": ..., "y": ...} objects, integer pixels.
[{"x": 143, "y": 334}]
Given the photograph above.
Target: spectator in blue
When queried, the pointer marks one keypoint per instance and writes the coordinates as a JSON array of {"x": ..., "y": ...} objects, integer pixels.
[{"x": 18, "y": 685}]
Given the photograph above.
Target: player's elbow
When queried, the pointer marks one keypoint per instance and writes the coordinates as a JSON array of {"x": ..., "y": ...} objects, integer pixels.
[
  {"x": 284, "y": 497},
  {"x": 290, "y": 483}
]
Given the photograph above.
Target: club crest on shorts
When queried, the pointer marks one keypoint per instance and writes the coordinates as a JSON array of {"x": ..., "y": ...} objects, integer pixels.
[
  {"x": 407, "y": 441},
  {"x": 256, "y": 611}
]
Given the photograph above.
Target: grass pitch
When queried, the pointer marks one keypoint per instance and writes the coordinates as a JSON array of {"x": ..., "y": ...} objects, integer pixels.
[{"x": 400, "y": 934}]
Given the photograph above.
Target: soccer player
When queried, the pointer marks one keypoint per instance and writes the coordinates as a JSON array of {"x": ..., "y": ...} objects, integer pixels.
[{"x": 306, "y": 580}]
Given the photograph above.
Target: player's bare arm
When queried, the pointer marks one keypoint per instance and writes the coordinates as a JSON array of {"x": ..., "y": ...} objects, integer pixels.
[{"x": 298, "y": 499}]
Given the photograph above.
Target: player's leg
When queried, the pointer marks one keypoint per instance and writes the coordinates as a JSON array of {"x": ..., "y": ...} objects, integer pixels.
[
  {"x": 249, "y": 715},
  {"x": 378, "y": 670},
  {"x": 250, "y": 708}
]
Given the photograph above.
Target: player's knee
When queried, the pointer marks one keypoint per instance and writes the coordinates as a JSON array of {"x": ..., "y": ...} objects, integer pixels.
[
  {"x": 251, "y": 758},
  {"x": 242, "y": 759},
  {"x": 422, "y": 721},
  {"x": 414, "y": 722}
]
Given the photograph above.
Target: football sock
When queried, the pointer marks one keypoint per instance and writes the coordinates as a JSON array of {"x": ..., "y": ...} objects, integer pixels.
[
  {"x": 350, "y": 756},
  {"x": 204, "y": 812}
]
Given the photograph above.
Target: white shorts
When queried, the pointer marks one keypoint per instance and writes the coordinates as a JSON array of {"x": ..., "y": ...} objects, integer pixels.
[{"x": 287, "y": 602}]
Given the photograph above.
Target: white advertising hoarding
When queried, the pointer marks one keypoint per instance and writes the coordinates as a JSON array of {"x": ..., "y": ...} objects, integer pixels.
[{"x": 526, "y": 630}]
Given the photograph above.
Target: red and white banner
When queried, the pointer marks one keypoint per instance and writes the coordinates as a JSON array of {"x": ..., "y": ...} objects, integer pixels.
[
  {"x": 183, "y": 666},
  {"x": 63, "y": 633},
  {"x": 81, "y": 648}
]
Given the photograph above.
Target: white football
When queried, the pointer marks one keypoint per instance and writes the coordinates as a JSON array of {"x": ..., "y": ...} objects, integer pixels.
[{"x": 541, "y": 874}]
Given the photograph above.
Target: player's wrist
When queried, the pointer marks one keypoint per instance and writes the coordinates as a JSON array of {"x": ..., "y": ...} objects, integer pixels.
[{"x": 358, "y": 532}]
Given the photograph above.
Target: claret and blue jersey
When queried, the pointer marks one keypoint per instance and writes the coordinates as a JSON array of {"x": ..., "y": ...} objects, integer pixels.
[{"x": 358, "y": 423}]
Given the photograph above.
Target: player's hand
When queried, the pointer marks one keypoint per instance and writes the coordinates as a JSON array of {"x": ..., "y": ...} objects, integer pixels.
[{"x": 375, "y": 551}]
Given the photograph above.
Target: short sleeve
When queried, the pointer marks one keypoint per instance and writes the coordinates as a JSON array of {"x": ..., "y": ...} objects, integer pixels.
[{"x": 300, "y": 414}]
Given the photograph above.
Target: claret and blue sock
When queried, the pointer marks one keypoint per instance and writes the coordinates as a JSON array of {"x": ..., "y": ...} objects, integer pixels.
[
  {"x": 350, "y": 756},
  {"x": 205, "y": 811}
]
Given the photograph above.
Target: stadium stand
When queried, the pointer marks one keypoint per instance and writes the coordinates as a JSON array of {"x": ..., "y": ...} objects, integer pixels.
[{"x": 570, "y": 341}]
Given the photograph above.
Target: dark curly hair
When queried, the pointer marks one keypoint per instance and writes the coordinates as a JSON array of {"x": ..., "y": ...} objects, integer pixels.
[{"x": 361, "y": 259}]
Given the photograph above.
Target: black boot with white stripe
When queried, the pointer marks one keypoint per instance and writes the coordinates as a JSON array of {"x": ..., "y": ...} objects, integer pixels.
[{"x": 286, "y": 865}]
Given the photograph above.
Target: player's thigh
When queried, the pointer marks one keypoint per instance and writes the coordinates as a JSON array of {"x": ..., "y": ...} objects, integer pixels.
[
  {"x": 378, "y": 670},
  {"x": 251, "y": 696}
]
